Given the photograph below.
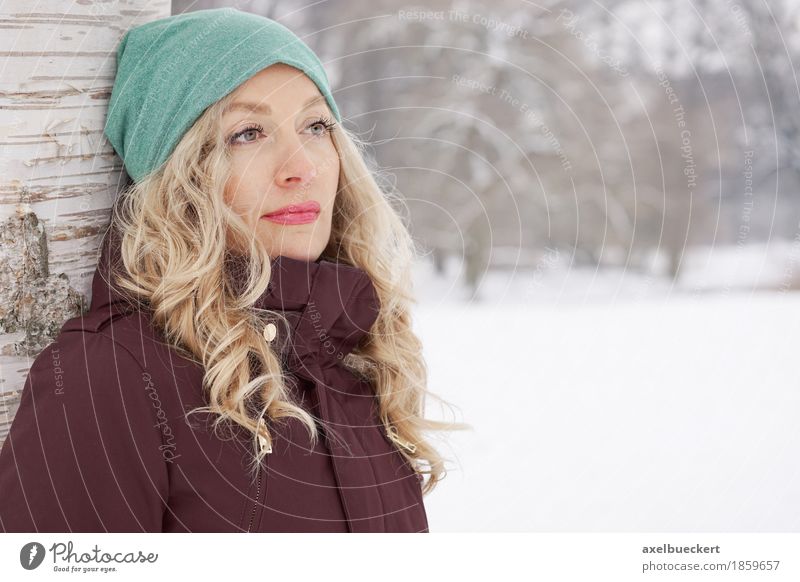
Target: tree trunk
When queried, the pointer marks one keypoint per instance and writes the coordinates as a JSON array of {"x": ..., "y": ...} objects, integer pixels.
[{"x": 58, "y": 173}]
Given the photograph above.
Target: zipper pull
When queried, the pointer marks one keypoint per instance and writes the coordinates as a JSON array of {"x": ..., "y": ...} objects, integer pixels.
[
  {"x": 392, "y": 434},
  {"x": 262, "y": 440}
]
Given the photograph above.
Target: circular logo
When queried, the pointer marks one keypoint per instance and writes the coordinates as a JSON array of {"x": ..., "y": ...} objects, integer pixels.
[{"x": 31, "y": 555}]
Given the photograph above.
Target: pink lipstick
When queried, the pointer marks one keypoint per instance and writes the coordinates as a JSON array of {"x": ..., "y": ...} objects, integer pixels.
[{"x": 295, "y": 213}]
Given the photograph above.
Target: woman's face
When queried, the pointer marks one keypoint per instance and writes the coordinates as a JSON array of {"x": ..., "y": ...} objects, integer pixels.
[{"x": 285, "y": 168}]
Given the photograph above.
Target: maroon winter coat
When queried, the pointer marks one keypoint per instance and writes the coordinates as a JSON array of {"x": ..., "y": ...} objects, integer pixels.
[{"x": 99, "y": 442}]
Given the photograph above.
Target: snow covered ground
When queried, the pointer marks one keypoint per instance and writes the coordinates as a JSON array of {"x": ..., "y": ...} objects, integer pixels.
[{"x": 609, "y": 402}]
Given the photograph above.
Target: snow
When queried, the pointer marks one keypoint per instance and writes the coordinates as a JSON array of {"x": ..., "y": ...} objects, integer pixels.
[{"x": 605, "y": 401}]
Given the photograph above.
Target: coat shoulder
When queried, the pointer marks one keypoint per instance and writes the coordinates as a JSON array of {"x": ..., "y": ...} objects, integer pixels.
[
  {"x": 132, "y": 331},
  {"x": 84, "y": 451}
]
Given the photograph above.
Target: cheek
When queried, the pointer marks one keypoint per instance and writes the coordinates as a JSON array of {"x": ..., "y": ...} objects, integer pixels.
[
  {"x": 328, "y": 175},
  {"x": 233, "y": 196},
  {"x": 239, "y": 196},
  {"x": 233, "y": 189}
]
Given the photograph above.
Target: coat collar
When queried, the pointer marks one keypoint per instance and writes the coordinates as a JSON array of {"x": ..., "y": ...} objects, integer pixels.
[{"x": 330, "y": 306}]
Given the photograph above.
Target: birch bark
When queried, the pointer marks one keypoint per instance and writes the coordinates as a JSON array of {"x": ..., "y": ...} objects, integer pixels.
[{"x": 58, "y": 173}]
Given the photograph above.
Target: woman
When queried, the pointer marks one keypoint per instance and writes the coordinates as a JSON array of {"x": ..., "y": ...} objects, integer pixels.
[{"x": 247, "y": 362}]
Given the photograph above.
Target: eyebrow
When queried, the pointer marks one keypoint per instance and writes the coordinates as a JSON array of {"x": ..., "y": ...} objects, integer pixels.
[{"x": 264, "y": 108}]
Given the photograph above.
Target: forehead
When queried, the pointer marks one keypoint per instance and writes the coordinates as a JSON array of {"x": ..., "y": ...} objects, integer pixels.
[
  {"x": 277, "y": 77},
  {"x": 243, "y": 105},
  {"x": 255, "y": 94}
]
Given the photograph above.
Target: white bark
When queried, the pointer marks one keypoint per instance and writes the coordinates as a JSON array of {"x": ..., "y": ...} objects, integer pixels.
[{"x": 58, "y": 173}]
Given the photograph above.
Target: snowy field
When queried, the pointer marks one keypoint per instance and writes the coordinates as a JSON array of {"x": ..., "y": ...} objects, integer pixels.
[{"x": 603, "y": 402}]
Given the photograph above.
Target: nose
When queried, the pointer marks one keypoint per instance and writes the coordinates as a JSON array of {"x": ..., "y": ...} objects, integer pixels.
[{"x": 296, "y": 169}]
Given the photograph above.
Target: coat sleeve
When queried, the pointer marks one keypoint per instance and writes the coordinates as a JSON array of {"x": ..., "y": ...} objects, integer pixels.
[{"x": 84, "y": 452}]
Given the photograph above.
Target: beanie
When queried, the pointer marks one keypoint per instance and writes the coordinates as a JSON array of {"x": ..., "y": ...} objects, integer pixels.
[{"x": 171, "y": 69}]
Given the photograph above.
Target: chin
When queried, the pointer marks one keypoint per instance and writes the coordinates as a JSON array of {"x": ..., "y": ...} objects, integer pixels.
[{"x": 303, "y": 246}]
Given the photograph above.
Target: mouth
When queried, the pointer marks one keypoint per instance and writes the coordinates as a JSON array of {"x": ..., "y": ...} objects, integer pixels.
[{"x": 295, "y": 213}]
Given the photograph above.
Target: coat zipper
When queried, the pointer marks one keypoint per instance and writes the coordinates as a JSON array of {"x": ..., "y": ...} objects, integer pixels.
[
  {"x": 391, "y": 432},
  {"x": 262, "y": 442}
]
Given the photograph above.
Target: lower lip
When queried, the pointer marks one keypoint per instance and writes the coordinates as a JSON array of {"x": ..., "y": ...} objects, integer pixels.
[{"x": 293, "y": 217}]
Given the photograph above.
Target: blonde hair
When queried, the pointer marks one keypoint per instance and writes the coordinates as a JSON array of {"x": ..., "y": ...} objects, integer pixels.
[{"x": 176, "y": 235}]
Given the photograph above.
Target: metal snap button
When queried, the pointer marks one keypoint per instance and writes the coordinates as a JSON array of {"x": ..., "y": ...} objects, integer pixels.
[{"x": 270, "y": 331}]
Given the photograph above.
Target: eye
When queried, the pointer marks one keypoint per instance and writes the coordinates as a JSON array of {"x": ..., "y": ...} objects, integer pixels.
[
  {"x": 325, "y": 124},
  {"x": 247, "y": 130}
]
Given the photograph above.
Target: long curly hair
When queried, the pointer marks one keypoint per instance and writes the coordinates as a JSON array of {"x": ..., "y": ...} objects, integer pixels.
[{"x": 177, "y": 236}]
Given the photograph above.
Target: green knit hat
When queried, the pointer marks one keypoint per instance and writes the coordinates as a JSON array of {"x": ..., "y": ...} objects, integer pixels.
[{"x": 170, "y": 70}]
